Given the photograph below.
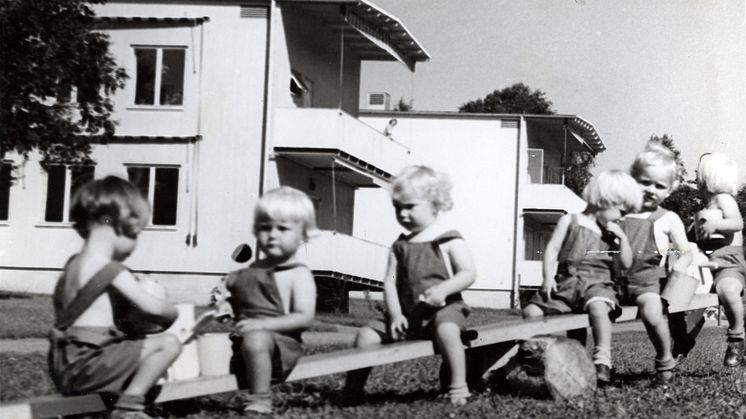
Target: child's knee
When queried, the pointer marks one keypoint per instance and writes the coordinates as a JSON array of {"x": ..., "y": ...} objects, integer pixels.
[
  {"x": 257, "y": 341},
  {"x": 448, "y": 330},
  {"x": 171, "y": 344},
  {"x": 366, "y": 337},
  {"x": 599, "y": 308},
  {"x": 729, "y": 288},
  {"x": 532, "y": 311}
]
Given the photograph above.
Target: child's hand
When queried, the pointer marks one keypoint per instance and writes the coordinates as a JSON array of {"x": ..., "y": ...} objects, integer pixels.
[
  {"x": 548, "y": 287},
  {"x": 398, "y": 326},
  {"x": 615, "y": 230},
  {"x": 247, "y": 325},
  {"x": 434, "y": 296},
  {"x": 706, "y": 227}
]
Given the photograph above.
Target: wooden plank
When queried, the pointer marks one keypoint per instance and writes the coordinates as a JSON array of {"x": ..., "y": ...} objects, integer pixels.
[
  {"x": 200, "y": 386},
  {"x": 52, "y": 406}
]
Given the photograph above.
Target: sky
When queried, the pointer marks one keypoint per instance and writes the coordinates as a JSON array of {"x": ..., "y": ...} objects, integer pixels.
[{"x": 632, "y": 68}]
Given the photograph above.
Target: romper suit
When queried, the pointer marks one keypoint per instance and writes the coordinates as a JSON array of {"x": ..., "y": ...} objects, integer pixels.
[
  {"x": 646, "y": 273},
  {"x": 91, "y": 359},
  {"x": 583, "y": 274},
  {"x": 254, "y": 295},
  {"x": 419, "y": 266}
]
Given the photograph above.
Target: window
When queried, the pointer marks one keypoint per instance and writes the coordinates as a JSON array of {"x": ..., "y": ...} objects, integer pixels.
[
  {"x": 160, "y": 185},
  {"x": 62, "y": 182},
  {"x": 6, "y": 173},
  {"x": 160, "y": 76}
]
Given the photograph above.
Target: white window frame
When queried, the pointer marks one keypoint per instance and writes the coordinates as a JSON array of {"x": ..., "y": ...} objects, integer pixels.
[
  {"x": 151, "y": 192},
  {"x": 66, "y": 199},
  {"x": 157, "y": 81}
]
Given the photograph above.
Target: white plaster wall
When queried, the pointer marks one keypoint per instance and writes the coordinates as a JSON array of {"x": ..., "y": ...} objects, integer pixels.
[{"x": 480, "y": 158}]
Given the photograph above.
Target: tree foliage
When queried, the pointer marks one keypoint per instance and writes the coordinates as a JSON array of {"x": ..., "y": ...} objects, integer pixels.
[
  {"x": 577, "y": 170},
  {"x": 517, "y": 98},
  {"x": 684, "y": 201},
  {"x": 56, "y": 76},
  {"x": 667, "y": 141}
]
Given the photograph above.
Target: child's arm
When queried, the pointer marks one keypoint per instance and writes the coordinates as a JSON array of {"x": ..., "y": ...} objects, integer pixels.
[
  {"x": 464, "y": 273},
  {"x": 732, "y": 221},
  {"x": 302, "y": 308},
  {"x": 163, "y": 312},
  {"x": 397, "y": 322},
  {"x": 551, "y": 253},
  {"x": 676, "y": 232},
  {"x": 625, "y": 255}
]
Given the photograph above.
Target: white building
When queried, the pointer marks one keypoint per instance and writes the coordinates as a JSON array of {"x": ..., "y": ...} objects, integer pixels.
[{"x": 228, "y": 99}]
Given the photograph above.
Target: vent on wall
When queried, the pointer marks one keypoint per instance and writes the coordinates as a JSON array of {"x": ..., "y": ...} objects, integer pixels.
[
  {"x": 379, "y": 101},
  {"x": 508, "y": 124},
  {"x": 255, "y": 12}
]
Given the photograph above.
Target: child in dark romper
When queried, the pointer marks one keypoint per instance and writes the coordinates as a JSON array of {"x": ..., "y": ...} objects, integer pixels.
[
  {"x": 274, "y": 299},
  {"x": 93, "y": 299},
  {"x": 427, "y": 270},
  {"x": 581, "y": 247},
  {"x": 653, "y": 233}
]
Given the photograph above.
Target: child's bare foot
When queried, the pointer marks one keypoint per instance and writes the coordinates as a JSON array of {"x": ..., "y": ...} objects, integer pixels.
[
  {"x": 259, "y": 404},
  {"x": 458, "y": 395}
]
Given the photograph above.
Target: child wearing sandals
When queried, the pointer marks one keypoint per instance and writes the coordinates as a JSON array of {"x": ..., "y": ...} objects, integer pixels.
[
  {"x": 581, "y": 248},
  {"x": 721, "y": 239},
  {"x": 274, "y": 299},
  {"x": 427, "y": 270},
  {"x": 654, "y": 232},
  {"x": 96, "y": 294}
]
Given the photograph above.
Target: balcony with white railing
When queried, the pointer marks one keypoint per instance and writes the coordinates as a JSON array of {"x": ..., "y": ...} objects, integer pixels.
[
  {"x": 346, "y": 258},
  {"x": 320, "y": 138},
  {"x": 543, "y": 196}
]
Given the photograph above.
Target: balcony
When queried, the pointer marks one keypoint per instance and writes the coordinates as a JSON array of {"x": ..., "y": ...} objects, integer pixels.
[
  {"x": 329, "y": 139},
  {"x": 551, "y": 197},
  {"x": 346, "y": 258}
]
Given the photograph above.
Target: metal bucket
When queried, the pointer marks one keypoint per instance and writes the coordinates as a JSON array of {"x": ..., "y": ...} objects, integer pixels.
[{"x": 214, "y": 353}]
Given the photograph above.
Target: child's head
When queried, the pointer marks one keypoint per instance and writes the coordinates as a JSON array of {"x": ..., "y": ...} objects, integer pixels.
[
  {"x": 717, "y": 173},
  {"x": 611, "y": 193},
  {"x": 419, "y": 193},
  {"x": 655, "y": 169},
  {"x": 284, "y": 218},
  {"x": 111, "y": 201}
]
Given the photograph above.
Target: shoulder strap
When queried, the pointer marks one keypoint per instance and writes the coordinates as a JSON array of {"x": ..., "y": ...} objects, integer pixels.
[
  {"x": 88, "y": 294},
  {"x": 657, "y": 214},
  {"x": 448, "y": 236},
  {"x": 443, "y": 238},
  {"x": 280, "y": 268}
]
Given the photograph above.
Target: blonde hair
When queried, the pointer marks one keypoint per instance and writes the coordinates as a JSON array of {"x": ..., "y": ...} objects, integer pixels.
[
  {"x": 656, "y": 154},
  {"x": 112, "y": 201},
  {"x": 613, "y": 189},
  {"x": 286, "y": 203},
  {"x": 717, "y": 173},
  {"x": 425, "y": 183}
]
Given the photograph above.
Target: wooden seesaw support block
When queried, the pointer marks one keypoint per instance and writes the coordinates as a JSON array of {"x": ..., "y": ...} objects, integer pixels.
[{"x": 491, "y": 346}]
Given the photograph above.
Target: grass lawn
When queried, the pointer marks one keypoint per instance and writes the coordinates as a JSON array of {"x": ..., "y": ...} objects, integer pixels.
[{"x": 703, "y": 388}]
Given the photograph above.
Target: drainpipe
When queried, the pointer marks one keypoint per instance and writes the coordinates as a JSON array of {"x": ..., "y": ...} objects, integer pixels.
[
  {"x": 514, "y": 293},
  {"x": 267, "y": 108}
]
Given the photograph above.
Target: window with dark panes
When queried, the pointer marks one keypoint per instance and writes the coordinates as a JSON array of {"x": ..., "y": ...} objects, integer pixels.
[
  {"x": 160, "y": 185},
  {"x": 62, "y": 183},
  {"x": 160, "y": 76},
  {"x": 6, "y": 173}
]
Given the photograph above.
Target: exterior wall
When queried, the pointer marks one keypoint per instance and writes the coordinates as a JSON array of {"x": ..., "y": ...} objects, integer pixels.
[
  {"x": 480, "y": 155},
  {"x": 218, "y": 178}
]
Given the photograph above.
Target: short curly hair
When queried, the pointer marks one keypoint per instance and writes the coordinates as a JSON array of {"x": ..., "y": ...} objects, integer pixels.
[
  {"x": 112, "y": 201},
  {"x": 717, "y": 173},
  {"x": 613, "y": 189},
  {"x": 427, "y": 184},
  {"x": 656, "y": 154}
]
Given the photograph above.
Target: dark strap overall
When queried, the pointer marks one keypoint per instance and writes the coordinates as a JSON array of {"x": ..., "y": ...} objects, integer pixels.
[{"x": 96, "y": 286}]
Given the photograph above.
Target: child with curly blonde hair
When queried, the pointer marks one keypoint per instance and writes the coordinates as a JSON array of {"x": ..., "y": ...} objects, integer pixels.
[{"x": 427, "y": 270}]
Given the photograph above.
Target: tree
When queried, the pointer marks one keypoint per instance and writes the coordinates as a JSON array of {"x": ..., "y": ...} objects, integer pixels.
[
  {"x": 49, "y": 54},
  {"x": 517, "y": 98},
  {"x": 684, "y": 201},
  {"x": 577, "y": 170}
]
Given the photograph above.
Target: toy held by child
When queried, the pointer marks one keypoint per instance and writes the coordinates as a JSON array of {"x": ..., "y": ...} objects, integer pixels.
[
  {"x": 427, "y": 270},
  {"x": 583, "y": 248},
  {"x": 274, "y": 299},
  {"x": 717, "y": 181},
  {"x": 654, "y": 232},
  {"x": 88, "y": 352}
]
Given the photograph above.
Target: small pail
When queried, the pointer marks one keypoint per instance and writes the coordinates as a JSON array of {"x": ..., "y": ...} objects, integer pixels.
[
  {"x": 679, "y": 291},
  {"x": 214, "y": 353}
]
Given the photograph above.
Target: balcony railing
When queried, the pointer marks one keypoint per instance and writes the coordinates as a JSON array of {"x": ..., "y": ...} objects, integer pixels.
[
  {"x": 346, "y": 257},
  {"x": 335, "y": 130},
  {"x": 551, "y": 197}
]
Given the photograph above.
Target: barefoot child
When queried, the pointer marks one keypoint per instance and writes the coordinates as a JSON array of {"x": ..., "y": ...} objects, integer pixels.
[
  {"x": 88, "y": 352},
  {"x": 427, "y": 270},
  {"x": 717, "y": 181},
  {"x": 654, "y": 232},
  {"x": 274, "y": 299},
  {"x": 582, "y": 248}
]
